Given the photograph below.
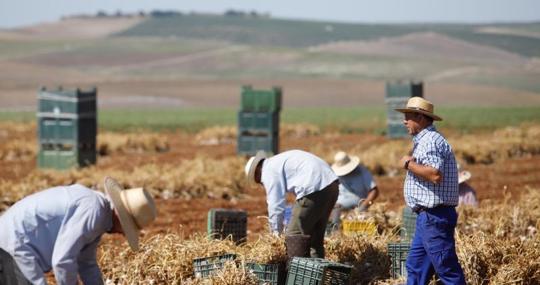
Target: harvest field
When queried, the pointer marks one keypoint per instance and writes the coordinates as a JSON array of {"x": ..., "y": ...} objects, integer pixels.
[
  {"x": 168, "y": 97},
  {"x": 190, "y": 172}
]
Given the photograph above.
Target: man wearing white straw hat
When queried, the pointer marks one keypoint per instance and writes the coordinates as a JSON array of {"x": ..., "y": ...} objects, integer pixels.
[
  {"x": 357, "y": 189},
  {"x": 467, "y": 195},
  {"x": 59, "y": 229},
  {"x": 431, "y": 190},
  {"x": 306, "y": 176}
]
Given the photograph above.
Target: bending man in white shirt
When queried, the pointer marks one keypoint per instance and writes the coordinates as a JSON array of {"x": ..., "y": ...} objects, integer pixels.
[
  {"x": 59, "y": 229},
  {"x": 313, "y": 183}
]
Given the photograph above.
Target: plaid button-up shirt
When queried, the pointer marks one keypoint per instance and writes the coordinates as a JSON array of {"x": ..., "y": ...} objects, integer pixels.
[{"x": 432, "y": 149}]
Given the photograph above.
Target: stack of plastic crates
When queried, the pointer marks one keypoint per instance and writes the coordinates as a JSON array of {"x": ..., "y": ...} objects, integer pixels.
[
  {"x": 268, "y": 274},
  {"x": 205, "y": 266},
  {"x": 356, "y": 227},
  {"x": 258, "y": 120},
  {"x": 317, "y": 271},
  {"x": 398, "y": 254},
  {"x": 223, "y": 223}
]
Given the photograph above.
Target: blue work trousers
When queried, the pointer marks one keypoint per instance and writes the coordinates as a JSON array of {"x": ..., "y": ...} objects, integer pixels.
[{"x": 433, "y": 248}]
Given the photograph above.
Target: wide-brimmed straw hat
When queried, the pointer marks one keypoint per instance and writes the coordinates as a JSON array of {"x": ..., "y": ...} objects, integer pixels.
[
  {"x": 251, "y": 165},
  {"x": 421, "y": 106},
  {"x": 344, "y": 164},
  {"x": 135, "y": 208}
]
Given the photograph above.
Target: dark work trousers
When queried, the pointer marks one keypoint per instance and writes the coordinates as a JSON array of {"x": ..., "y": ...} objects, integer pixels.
[
  {"x": 310, "y": 215},
  {"x": 433, "y": 248},
  {"x": 10, "y": 274}
]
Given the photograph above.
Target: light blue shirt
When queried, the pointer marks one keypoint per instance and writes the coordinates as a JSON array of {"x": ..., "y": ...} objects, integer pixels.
[
  {"x": 431, "y": 149},
  {"x": 355, "y": 186},
  {"x": 59, "y": 229},
  {"x": 293, "y": 171}
]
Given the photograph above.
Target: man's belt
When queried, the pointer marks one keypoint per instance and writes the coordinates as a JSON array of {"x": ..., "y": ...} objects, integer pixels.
[{"x": 418, "y": 208}]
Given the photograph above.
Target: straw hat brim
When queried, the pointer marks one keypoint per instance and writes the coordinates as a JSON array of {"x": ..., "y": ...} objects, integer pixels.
[
  {"x": 347, "y": 168},
  {"x": 463, "y": 176},
  {"x": 130, "y": 229},
  {"x": 431, "y": 115},
  {"x": 252, "y": 166}
]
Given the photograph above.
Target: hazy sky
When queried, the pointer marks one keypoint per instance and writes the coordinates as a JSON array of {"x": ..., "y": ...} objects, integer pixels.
[{"x": 25, "y": 12}]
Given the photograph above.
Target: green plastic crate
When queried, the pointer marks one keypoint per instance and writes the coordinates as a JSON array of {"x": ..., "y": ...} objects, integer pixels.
[
  {"x": 398, "y": 254},
  {"x": 64, "y": 156},
  {"x": 408, "y": 225},
  {"x": 258, "y": 122},
  {"x": 65, "y": 143},
  {"x": 206, "y": 266},
  {"x": 261, "y": 100},
  {"x": 268, "y": 274},
  {"x": 226, "y": 222},
  {"x": 249, "y": 144},
  {"x": 317, "y": 271},
  {"x": 66, "y": 130},
  {"x": 60, "y": 101}
]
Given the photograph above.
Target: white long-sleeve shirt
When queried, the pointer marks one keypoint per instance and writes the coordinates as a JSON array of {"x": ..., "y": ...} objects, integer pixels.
[
  {"x": 294, "y": 171},
  {"x": 57, "y": 229}
]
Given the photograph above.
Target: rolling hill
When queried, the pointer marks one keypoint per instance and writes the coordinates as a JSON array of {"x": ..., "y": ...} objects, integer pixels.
[{"x": 201, "y": 60}]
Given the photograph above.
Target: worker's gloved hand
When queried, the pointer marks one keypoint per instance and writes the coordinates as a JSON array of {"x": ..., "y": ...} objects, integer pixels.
[{"x": 361, "y": 208}]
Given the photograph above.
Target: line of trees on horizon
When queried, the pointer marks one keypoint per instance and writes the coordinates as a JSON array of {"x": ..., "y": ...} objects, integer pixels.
[{"x": 165, "y": 13}]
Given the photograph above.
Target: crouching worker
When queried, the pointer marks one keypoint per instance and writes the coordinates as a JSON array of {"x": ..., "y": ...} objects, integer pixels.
[
  {"x": 357, "y": 189},
  {"x": 59, "y": 229},
  {"x": 310, "y": 179}
]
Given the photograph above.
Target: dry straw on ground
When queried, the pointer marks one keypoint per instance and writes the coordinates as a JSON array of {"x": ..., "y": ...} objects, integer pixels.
[
  {"x": 20, "y": 142},
  {"x": 228, "y": 134},
  {"x": 198, "y": 177},
  {"x": 109, "y": 142},
  {"x": 502, "y": 144},
  {"x": 504, "y": 250}
]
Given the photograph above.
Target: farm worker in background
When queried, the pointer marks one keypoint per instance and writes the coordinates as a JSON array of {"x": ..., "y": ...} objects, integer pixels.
[
  {"x": 59, "y": 229},
  {"x": 310, "y": 179},
  {"x": 357, "y": 189},
  {"x": 467, "y": 195},
  {"x": 431, "y": 190}
]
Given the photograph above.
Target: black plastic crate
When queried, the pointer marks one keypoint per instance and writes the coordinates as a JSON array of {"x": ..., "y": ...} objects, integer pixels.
[
  {"x": 271, "y": 274},
  {"x": 226, "y": 222},
  {"x": 398, "y": 254},
  {"x": 317, "y": 271},
  {"x": 205, "y": 266}
]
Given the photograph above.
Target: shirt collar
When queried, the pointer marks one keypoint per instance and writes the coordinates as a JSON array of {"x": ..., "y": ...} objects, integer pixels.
[{"x": 422, "y": 133}]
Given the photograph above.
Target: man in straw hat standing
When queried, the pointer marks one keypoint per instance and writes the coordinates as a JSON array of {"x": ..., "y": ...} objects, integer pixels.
[
  {"x": 357, "y": 189},
  {"x": 59, "y": 229},
  {"x": 431, "y": 190},
  {"x": 310, "y": 179}
]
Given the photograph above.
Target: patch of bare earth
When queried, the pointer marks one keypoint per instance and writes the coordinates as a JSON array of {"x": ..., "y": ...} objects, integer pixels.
[
  {"x": 72, "y": 28},
  {"x": 20, "y": 94},
  {"x": 508, "y": 31},
  {"x": 424, "y": 45}
]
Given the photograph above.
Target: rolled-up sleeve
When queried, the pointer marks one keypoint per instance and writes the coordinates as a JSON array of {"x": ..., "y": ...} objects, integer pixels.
[
  {"x": 432, "y": 157},
  {"x": 79, "y": 236}
]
